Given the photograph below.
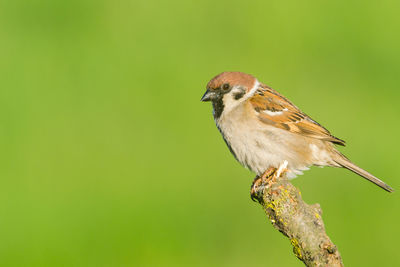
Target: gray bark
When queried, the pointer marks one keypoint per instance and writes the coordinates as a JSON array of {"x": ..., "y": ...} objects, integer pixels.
[{"x": 300, "y": 222}]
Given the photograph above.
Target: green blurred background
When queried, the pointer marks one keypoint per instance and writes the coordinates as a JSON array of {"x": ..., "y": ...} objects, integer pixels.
[{"x": 108, "y": 158}]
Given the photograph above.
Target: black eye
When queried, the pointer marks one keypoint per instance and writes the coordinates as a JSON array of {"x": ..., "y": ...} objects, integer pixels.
[{"x": 225, "y": 86}]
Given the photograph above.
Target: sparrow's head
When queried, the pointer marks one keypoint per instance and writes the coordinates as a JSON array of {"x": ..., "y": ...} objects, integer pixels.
[{"x": 228, "y": 89}]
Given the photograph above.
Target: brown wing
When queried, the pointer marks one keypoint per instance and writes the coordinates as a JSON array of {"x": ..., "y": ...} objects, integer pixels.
[{"x": 274, "y": 109}]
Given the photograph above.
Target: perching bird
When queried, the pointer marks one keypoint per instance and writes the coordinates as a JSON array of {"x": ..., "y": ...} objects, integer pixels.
[{"x": 263, "y": 129}]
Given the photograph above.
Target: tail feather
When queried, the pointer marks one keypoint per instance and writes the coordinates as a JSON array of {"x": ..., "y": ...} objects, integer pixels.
[{"x": 344, "y": 162}]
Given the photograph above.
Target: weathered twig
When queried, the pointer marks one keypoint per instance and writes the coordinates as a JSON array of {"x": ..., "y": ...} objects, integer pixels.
[{"x": 300, "y": 222}]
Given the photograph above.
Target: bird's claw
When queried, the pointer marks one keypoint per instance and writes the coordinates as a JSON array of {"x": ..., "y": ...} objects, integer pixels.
[
  {"x": 259, "y": 183},
  {"x": 266, "y": 180}
]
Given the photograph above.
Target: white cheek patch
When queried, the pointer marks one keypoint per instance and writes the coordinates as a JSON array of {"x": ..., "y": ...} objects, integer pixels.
[
  {"x": 238, "y": 91},
  {"x": 231, "y": 103}
]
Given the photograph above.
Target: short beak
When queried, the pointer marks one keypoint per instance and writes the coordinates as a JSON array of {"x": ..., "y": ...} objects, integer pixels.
[{"x": 207, "y": 96}]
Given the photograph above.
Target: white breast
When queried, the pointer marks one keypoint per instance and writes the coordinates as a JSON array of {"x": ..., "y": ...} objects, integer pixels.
[{"x": 258, "y": 146}]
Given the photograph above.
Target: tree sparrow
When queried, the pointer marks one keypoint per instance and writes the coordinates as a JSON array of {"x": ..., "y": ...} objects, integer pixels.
[{"x": 263, "y": 129}]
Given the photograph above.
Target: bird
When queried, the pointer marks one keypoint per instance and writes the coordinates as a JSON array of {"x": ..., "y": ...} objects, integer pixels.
[{"x": 263, "y": 129}]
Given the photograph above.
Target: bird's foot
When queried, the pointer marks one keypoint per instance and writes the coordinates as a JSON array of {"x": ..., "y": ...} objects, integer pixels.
[
  {"x": 266, "y": 180},
  {"x": 255, "y": 187},
  {"x": 259, "y": 183}
]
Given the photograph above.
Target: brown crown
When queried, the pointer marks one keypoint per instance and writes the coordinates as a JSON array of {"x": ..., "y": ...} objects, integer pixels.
[{"x": 233, "y": 78}]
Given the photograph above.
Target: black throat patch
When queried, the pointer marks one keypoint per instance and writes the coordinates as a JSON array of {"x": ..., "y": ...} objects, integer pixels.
[{"x": 218, "y": 107}]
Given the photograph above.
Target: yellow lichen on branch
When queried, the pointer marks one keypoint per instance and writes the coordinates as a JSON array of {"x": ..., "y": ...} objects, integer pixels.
[{"x": 300, "y": 222}]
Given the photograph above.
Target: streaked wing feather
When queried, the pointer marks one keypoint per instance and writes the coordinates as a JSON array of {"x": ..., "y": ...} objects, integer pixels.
[{"x": 274, "y": 109}]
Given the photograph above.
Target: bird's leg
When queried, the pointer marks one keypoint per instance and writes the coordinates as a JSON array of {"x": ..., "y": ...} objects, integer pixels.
[
  {"x": 259, "y": 182},
  {"x": 267, "y": 179},
  {"x": 268, "y": 175},
  {"x": 277, "y": 172}
]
